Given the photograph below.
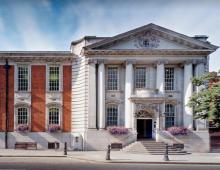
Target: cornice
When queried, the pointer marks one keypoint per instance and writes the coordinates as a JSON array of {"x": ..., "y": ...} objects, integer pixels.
[{"x": 146, "y": 52}]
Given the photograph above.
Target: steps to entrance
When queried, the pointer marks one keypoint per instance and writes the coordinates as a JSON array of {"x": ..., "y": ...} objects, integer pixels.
[{"x": 151, "y": 147}]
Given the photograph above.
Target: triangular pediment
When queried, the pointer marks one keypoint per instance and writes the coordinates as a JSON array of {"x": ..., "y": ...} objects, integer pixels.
[{"x": 151, "y": 37}]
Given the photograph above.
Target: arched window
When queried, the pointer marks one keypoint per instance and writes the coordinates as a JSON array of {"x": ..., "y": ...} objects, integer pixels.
[
  {"x": 112, "y": 115},
  {"x": 22, "y": 115},
  {"x": 169, "y": 115},
  {"x": 54, "y": 116}
]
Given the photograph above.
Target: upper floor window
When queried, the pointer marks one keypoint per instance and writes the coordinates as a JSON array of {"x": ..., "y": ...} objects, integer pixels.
[
  {"x": 54, "y": 78},
  {"x": 22, "y": 115},
  {"x": 112, "y": 115},
  {"x": 54, "y": 116},
  {"x": 169, "y": 78},
  {"x": 140, "y": 77},
  {"x": 22, "y": 78},
  {"x": 169, "y": 115},
  {"x": 112, "y": 80}
]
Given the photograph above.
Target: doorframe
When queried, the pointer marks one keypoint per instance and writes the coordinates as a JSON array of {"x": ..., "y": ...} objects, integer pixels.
[{"x": 152, "y": 123}]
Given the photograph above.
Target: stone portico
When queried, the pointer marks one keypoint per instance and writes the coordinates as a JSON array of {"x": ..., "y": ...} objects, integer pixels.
[{"x": 111, "y": 69}]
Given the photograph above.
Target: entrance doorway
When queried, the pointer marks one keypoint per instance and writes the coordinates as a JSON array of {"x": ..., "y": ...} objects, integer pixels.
[{"x": 144, "y": 128}]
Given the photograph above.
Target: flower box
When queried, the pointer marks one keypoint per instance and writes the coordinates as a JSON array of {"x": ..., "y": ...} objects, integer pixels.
[
  {"x": 177, "y": 130},
  {"x": 22, "y": 128},
  {"x": 54, "y": 128},
  {"x": 117, "y": 130}
]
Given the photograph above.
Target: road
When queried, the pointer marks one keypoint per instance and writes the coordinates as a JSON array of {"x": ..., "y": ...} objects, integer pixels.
[{"x": 73, "y": 164}]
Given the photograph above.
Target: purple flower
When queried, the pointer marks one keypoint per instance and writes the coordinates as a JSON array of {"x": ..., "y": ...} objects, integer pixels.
[
  {"x": 117, "y": 130},
  {"x": 177, "y": 130},
  {"x": 54, "y": 128},
  {"x": 22, "y": 128}
]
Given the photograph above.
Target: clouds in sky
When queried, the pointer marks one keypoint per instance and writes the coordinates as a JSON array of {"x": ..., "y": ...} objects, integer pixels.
[{"x": 52, "y": 25}]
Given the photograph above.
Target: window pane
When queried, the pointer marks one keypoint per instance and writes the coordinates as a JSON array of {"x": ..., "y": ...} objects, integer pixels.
[
  {"x": 140, "y": 77},
  {"x": 169, "y": 78},
  {"x": 169, "y": 115},
  {"x": 112, "y": 115},
  {"x": 54, "y": 78},
  {"x": 54, "y": 116},
  {"x": 112, "y": 78},
  {"x": 22, "y": 116},
  {"x": 22, "y": 78}
]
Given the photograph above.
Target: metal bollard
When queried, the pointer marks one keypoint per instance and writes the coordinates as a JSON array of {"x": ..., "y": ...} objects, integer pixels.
[
  {"x": 166, "y": 158},
  {"x": 108, "y": 153},
  {"x": 65, "y": 148}
]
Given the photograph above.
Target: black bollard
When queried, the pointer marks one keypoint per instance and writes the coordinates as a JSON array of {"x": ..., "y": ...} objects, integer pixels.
[
  {"x": 166, "y": 158},
  {"x": 65, "y": 148},
  {"x": 108, "y": 153}
]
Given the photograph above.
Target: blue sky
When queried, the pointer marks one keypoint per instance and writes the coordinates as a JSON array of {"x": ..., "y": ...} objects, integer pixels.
[{"x": 53, "y": 24}]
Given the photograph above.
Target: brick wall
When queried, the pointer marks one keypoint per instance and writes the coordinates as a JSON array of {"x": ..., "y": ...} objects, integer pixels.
[
  {"x": 38, "y": 91},
  {"x": 67, "y": 76},
  {"x": 2, "y": 98}
]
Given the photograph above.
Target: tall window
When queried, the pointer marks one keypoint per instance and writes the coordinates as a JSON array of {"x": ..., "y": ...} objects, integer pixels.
[
  {"x": 169, "y": 115},
  {"x": 54, "y": 116},
  {"x": 140, "y": 77},
  {"x": 54, "y": 78},
  {"x": 112, "y": 115},
  {"x": 112, "y": 78},
  {"x": 169, "y": 78},
  {"x": 22, "y": 115},
  {"x": 23, "y": 78}
]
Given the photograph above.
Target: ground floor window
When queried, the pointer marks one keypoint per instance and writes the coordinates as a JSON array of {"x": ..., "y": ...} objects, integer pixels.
[
  {"x": 54, "y": 116},
  {"x": 112, "y": 115},
  {"x": 22, "y": 115},
  {"x": 169, "y": 115}
]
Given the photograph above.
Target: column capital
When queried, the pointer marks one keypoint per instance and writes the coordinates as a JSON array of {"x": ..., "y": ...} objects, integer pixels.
[
  {"x": 101, "y": 61},
  {"x": 91, "y": 61},
  {"x": 130, "y": 61},
  {"x": 195, "y": 61},
  {"x": 162, "y": 62}
]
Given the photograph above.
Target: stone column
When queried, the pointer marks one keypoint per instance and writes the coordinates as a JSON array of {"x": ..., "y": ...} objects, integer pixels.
[
  {"x": 187, "y": 111},
  {"x": 101, "y": 94},
  {"x": 92, "y": 94},
  {"x": 200, "y": 70},
  {"x": 160, "y": 77},
  {"x": 129, "y": 81}
]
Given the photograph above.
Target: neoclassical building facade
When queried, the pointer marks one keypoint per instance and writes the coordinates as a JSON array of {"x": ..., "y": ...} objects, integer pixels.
[{"x": 140, "y": 80}]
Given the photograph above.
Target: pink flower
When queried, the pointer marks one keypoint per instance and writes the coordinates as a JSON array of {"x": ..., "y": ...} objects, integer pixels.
[
  {"x": 117, "y": 130},
  {"x": 177, "y": 130},
  {"x": 22, "y": 128},
  {"x": 54, "y": 128}
]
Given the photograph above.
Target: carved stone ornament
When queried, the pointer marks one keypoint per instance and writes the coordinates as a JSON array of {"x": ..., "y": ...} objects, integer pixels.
[
  {"x": 147, "y": 41},
  {"x": 144, "y": 114}
]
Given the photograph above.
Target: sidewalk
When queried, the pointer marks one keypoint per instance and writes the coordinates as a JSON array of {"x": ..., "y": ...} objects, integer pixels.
[
  {"x": 30, "y": 153},
  {"x": 117, "y": 156},
  {"x": 122, "y": 157}
]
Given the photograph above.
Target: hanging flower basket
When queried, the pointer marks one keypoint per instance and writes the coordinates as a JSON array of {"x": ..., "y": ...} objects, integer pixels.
[
  {"x": 117, "y": 130},
  {"x": 54, "y": 128},
  {"x": 22, "y": 128},
  {"x": 177, "y": 130}
]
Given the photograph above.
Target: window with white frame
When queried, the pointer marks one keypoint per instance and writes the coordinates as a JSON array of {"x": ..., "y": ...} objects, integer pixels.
[
  {"x": 22, "y": 78},
  {"x": 22, "y": 115},
  {"x": 54, "y": 116},
  {"x": 140, "y": 77},
  {"x": 169, "y": 115},
  {"x": 112, "y": 115},
  {"x": 169, "y": 78},
  {"x": 112, "y": 79},
  {"x": 54, "y": 78}
]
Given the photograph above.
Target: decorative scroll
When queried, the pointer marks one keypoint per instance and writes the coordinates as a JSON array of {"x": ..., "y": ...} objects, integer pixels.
[{"x": 143, "y": 114}]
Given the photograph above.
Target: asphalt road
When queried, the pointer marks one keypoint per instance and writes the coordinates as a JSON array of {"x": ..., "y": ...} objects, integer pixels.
[{"x": 68, "y": 163}]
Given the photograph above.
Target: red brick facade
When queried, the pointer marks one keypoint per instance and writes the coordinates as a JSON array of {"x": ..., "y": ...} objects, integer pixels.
[
  {"x": 38, "y": 96},
  {"x": 67, "y": 98}
]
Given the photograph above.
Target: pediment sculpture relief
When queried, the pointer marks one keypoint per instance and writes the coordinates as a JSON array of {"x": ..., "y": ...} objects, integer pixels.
[
  {"x": 144, "y": 114},
  {"x": 147, "y": 41}
]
